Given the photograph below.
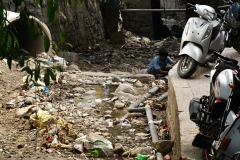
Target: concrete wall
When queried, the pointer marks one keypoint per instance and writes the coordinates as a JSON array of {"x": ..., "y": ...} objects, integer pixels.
[
  {"x": 173, "y": 120},
  {"x": 138, "y": 22}
]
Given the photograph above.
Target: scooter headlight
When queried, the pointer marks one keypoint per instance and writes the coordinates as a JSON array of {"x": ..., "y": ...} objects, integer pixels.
[{"x": 207, "y": 33}]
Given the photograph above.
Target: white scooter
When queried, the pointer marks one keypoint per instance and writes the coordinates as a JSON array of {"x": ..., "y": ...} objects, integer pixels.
[{"x": 201, "y": 35}]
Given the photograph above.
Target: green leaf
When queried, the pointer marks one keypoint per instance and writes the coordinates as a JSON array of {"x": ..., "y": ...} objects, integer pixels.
[
  {"x": 75, "y": 4},
  {"x": 62, "y": 34},
  {"x": 9, "y": 62},
  {"x": 46, "y": 42},
  {"x": 55, "y": 47},
  {"x": 52, "y": 75},
  {"x": 63, "y": 16},
  {"x": 46, "y": 78},
  {"x": 35, "y": 37},
  {"x": 70, "y": 45},
  {"x": 15, "y": 40},
  {"x": 28, "y": 70},
  {"x": 41, "y": 3},
  {"x": 31, "y": 24},
  {"x": 21, "y": 61},
  {"x": 37, "y": 72},
  {"x": 9, "y": 41},
  {"x": 51, "y": 11}
]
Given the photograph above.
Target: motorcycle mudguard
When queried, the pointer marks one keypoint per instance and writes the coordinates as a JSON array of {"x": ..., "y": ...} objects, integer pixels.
[
  {"x": 192, "y": 50},
  {"x": 232, "y": 135}
]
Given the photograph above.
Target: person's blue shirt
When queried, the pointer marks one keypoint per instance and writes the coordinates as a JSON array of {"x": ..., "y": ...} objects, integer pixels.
[{"x": 157, "y": 63}]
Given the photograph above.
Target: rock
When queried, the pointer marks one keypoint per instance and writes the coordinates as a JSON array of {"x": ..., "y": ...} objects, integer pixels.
[
  {"x": 159, "y": 44},
  {"x": 20, "y": 99},
  {"x": 119, "y": 105},
  {"x": 73, "y": 67},
  {"x": 138, "y": 84},
  {"x": 133, "y": 115},
  {"x": 142, "y": 71},
  {"x": 118, "y": 149},
  {"x": 79, "y": 90},
  {"x": 29, "y": 100},
  {"x": 10, "y": 104},
  {"x": 125, "y": 88},
  {"x": 91, "y": 92},
  {"x": 24, "y": 110},
  {"x": 69, "y": 56},
  {"x": 125, "y": 97},
  {"x": 40, "y": 83},
  {"x": 141, "y": 150},
  {"x": 116, "y": 79},
  {"x": 163, "y": 146},
  {"x": 47, "y": 106}
]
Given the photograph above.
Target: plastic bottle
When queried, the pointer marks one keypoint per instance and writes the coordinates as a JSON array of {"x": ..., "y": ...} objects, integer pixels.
[{"x": 142, "y": 157}]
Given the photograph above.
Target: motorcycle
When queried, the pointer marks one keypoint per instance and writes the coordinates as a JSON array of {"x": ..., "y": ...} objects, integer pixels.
[
  {"x": 201, "y": 35},
  {"x": 231, "y": 24},
  {"x": 217, "y": 114}
]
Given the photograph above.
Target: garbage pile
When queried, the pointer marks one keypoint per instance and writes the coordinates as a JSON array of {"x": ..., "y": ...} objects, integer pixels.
[
  {"x": 71, "y": 119},
  {"x": 133, "y": 56}
]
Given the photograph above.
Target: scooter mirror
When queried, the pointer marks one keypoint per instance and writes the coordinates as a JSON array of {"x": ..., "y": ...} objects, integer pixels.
[
  {"x": 202, "y": 141},
  {"x": 227, "y": 1}
]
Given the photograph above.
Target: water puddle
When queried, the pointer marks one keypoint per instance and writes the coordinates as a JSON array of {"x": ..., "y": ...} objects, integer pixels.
[{"x": 104, "y": 91}]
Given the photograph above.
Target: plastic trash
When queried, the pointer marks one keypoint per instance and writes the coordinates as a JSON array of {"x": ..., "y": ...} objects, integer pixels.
[
  {"x": 125, "y": 123},
  {"x": 49, "y": 150},
  {"x": 92, "y": 58},
  {"x": 32, "y": 86},
  {"x": 153, "y": 84},
  {"x": 20, "y": 104},
  {"x": 110, "y": 123},
  {"x": 54, "y": 143},
  {"x": 94, "y": 153},
  {"x": 49, "y": 59},
  {"x": 46, "y": 89},
  {"x": 142, "y": 157}
]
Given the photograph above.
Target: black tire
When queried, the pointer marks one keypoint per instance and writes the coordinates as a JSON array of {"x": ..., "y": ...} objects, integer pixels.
[
  {"x": 213, "y": 133},
  {"x": 190, "y": 69}
]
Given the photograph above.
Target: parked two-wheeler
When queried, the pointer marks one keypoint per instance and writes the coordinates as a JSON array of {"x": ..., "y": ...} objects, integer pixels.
[
  {"x": 216, "y": 115},
  {"x": 206, "y": 34},
  {"x": 200, "y": 36}
]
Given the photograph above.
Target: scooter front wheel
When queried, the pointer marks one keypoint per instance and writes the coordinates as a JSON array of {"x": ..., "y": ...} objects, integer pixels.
[{"x": 186, "y": 66}]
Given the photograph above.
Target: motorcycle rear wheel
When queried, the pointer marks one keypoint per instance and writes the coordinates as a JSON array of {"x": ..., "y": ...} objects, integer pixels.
[
  {"x": 213, "y": 133},
  {"x": 186, "y": 66}
]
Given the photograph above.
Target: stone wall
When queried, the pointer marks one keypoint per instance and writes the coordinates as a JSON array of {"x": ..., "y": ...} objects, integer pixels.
[
  {"x": 83, "y": 26},
  {"x": 138, "y": 22}
]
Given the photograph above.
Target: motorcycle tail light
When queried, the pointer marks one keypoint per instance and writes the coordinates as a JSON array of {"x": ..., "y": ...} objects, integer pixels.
[
  {"x": 207, "y": 33},
  {"x": 225, "y": 143},
  {"x": 231, "y": 85}
]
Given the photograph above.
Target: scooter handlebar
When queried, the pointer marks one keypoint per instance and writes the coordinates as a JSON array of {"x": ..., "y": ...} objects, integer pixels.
[{"x": 224, "y": 7}]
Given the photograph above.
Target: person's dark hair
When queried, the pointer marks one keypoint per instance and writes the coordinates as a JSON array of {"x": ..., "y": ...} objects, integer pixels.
[{"x": 163, "y": 52}]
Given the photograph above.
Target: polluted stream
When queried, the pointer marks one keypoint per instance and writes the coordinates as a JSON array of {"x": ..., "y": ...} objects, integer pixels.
[{"x": 73, "y": 114}]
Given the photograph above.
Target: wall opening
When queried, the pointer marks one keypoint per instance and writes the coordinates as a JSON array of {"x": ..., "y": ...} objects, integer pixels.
[{"x": 160, "y": 30}]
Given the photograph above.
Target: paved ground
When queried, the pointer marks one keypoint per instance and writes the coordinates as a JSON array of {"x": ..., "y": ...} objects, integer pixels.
[{"x": 185, "y": 90}]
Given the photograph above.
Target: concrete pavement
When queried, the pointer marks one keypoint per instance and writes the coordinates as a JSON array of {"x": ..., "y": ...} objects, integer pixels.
[{"x": 181, "y": 91}]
